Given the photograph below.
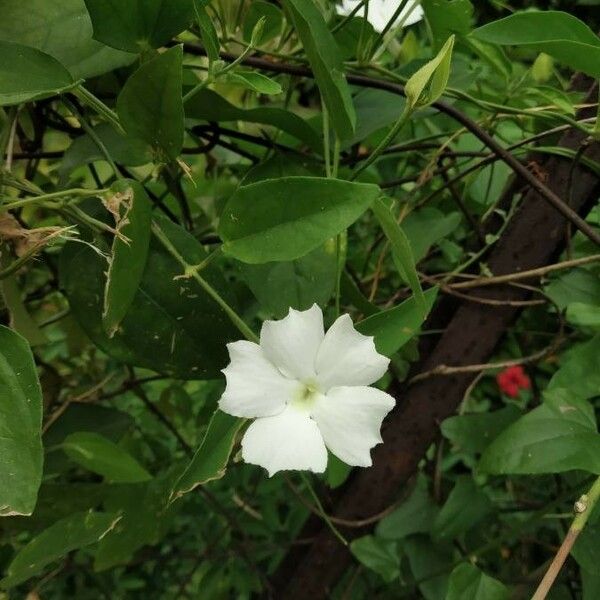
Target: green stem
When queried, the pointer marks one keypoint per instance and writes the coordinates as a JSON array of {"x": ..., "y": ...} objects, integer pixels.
[
  {"x": 326, "y": 139},
  {"x": 94, "y": 136},
  {"x": 584, "y": 507},
  {"x": 322, "y": 512},
  {"x": 211, "y": 77},
  {"x": 93, "y": 102},
  {"x": 193, "y": 272},
  {"x": 387, "y": 140},
  {"x": 52, "y": 196}
]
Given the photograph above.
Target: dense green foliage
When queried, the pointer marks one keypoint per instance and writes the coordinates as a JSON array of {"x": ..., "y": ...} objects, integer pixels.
[{"x": 175, "y": 172}]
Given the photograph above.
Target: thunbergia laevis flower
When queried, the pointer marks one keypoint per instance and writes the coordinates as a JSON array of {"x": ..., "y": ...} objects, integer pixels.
[
  {"x": 307, "y": 391},
  {"x": 381, "y": 11}
]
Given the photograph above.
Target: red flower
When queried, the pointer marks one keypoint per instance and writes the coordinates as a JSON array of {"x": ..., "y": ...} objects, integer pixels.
[{"x": 512, "y": 380}]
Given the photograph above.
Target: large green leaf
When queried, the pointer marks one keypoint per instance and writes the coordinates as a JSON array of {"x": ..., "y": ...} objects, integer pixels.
[
  {"x": 209, "y": 106},
  {"x": 29, "y": 74},
  {"x": 556, "y": 33},
  {"x": 146, "y": 517},
  {"x": 99, "y": 455},
  {"x": 576, "y": 285},
  {"x": 326, "y": 62},
  {"x": 172, "y": 326},
  {"x": 71, "y": 533},
  {"x": 474, "y": 432},
  {"x": 133, "y": 211},
  {"x": 21, "y": 453},
  {"x": 62, "y": 29},
  {"x": 467, "y": 582},
  {"x": 579, "y": 371},
  {"x": 138, "y": 25},
  {"x": 427, "y": 226},
  {"x": 284, "y": 219},
  {"x": 586, "y": 550},
  {"x": 415, "y": 515},
  {"x": 452, "y": 519},
  {"x": 447, "y": 17},
  {"x": 211, "y": 458},
  {"x": 379, "y": 555},
  {"x": 297, "y": 284},
  {"x": 560, "y": 435},
  {"x": 430, "y": 564},
  {"x": 150, "y": 105},
  {"x": 124, "y": 150},
  {"x": 392, "y": 328}
]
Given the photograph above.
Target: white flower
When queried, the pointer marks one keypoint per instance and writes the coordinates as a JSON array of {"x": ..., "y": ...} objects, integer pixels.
[
  {"x": 381, "y": 11},
  {"x": 308, "y": 391}
]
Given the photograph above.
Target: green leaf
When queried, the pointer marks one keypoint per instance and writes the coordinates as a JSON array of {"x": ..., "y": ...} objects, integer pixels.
[
  {"x": 284, "y": 219},
  {"x": 209, "y": 106},
  {"x": 62, "y": 29},
  {"x": 98, "y": 454},
  {"x": 150, "y": 105},
  {"x": 467, "y": 582},
  {"x": 375, "y": 109},
  {"x": 68, "y": 534},
  {"x": 577, "y": 285},
  {"x": 583, "y": 315},
  {"x": 273, "y": 20},
  {"x": 401, "y": 252},
  {"x": 447, "y": 18},
  {"x": 20, "y": 319},
  {"x": 427, "y": 85},
  {"x": 21, "y": 453},
  {"x": 126, "y": 266},
  {"x": 591, "y": 583},
  {"x": 415, "y": 515},
  {"x": 337, "y": 471},
  {"x": 211, "y": 458},
  {"x": 556, "y": 33},
  {"x": 124, "y": 150},
  {"x": 452, "y": 519},
  {"x": 429, "y": 564},
  {"x": 108, "y": 422},
  {"x": 426, "y": 227},
  {"x": 254, "y": 81},
  {"x": 377, "y": 554},
  {"x": 208, "y": 33},
  {"x": 474, "y": 432},
  {"x": 560, "y": 435},
  {"x": 326, "y": 62},
  {"x": 394, "y": 327},
  {"x": 136, "y": 26},
  {"x": 579, "y": 371},
  {"x": 170, "y": 324},
  {"x": 586, "y": 550},
  {"x": 297, "y": 284},
  {"x": 146, "y": 518},
  {"x": 29, "y": 74}
]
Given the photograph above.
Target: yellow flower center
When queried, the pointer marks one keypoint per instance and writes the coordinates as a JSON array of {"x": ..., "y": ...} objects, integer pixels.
[{"x": 306, "y": 396}]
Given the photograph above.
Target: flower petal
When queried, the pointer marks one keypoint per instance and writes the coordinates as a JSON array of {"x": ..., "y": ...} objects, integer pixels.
[
  {"x": 347, "y": 357},
  {"x": 290, "y": 440},
  {"x": 292, "y": 343},
  {"x": 255, "y": 387},
  {"x": 349, "y": 419},
  {"x": 381, "y": 11}
]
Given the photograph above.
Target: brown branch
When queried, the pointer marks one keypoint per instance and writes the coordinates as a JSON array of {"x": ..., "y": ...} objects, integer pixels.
[{"x": 531, "y": 273}]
